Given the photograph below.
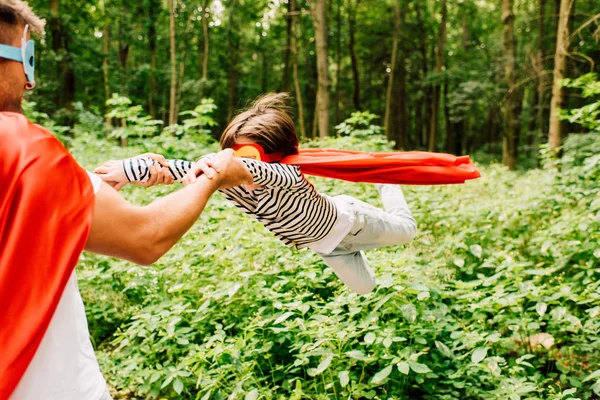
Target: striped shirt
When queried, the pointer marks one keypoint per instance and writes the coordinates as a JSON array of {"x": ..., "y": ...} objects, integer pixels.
[{"x": 285, "y": 203}]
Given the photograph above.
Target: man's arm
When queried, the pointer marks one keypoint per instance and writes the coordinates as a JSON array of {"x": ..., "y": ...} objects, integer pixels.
[{"x": 144, "y": 234}]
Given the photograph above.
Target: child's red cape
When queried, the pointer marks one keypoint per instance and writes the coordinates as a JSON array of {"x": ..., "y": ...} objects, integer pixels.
[
  {"x": 407, "y": 168},
  {"x": 46, "y": 206}
]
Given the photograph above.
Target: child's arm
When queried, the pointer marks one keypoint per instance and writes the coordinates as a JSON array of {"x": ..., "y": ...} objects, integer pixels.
[
  {"x": 139, "y": 169},
  {"x": 274, "y": 174}
]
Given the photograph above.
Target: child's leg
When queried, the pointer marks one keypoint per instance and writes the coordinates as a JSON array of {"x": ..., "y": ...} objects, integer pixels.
[
  {"x": 353, "y": 269},
  {"x": 375, "y": 228}
]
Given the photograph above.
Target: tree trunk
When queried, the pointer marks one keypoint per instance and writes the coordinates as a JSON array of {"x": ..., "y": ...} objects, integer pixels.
[
  {"x": 555, "y": 134},
  {"x": 388, "y": 97},
  {"x": 422, "y": 130},
  {"x": 512, "y": 103},
  {"x": 351, "y": 45},
  {"x": 106, "y": 51},
  {"x": 288, "y": 50},
  {"x": 439, "y": 64},
  {"x": 60, "y": 46},
  {"x": 152, "y": 44},
  {"x": 173, "y": 99},
  {"x": 319, "y": 21},
  {"x": 123, "y": 56},
  {"x": 338, "y": 61},
  {"x": 233, "y": 44},
  {"x": 188, "y": 28},
  {"x": 294, "y": 44}
]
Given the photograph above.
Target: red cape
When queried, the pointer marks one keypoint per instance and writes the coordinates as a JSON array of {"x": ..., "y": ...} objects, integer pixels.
[
  {"x": 407, "y": 168},
  {"x": 46, "y": 206}
]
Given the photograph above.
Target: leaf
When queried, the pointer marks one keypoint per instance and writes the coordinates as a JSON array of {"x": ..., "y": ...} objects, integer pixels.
[
  {"x": 233, "y": 289},
  {"x": 459, "y": 262},
  {"x": 422, "y": 296},
  {"x": 403, "y": 367},
  {"x": 370, "y": 338},
  {"x": 541, "y": 308},
  {"x": 593, "y": 375},
  {"x": 357, "y": 355},
  {"x": 476, "y": 250},
  {"x": 382, "y": 375},
  {"x": 252, "y": 395},
  {"x": 283, "y": 317},
  {"x": 479, "y": 354},
  {"x": 178, "y": 386},
  {"x": 445, "y": 350},
  {"x": 344, "y": 378},
  {"x": 409, "y": 311},
  {"x": 322, "y": 366},
  {"x": 418, "y": 367}
]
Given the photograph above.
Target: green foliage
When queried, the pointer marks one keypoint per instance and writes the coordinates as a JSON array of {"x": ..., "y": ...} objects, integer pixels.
[
  {"x": 132, "y": 121},
  {"x": 497, "y": 298},
  {"x": 589, "y": 115},
  {"x": 359, "y": 125},
  {"x": 195, "y": 127}
]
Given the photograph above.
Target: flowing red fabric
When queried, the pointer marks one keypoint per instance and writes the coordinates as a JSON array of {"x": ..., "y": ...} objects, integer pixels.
[
  {"x": 407, "y": 168},
  {"x": 46, "y": 206}
]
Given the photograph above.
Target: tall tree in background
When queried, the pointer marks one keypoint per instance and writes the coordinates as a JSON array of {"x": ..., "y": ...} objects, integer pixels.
[
  {"x": 512, "y": 104},
  {"x": 297, "y": 89},
  {"x": 60, "y": 46},
  {"x": 388, "y": 97},
  {"x": 423, "y": 112},
  {"x": 439, "y": 65},
  {"x": 173, "y": 98},
  {"x": 555, "y": 128},
  {"x": 233, "y": 43},
  {"x": 205, "y": 40},
  {"x": 352, "y": 11},
  {"x": 152, "y": 10},
  {"x": 288, "y": 50},
  {"x": 319, "y": 20}
]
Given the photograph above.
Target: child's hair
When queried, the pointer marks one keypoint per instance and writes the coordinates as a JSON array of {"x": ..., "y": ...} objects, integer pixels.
[{"x": 266, "y": 123}]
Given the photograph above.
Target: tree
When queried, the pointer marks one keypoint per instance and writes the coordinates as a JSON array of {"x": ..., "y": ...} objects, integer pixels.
[
  {"x": 388, "y": 97},
  {"x": 352, "y": 10},
  {"x": 555, "y": 133},
  {"x": 319, "y": 20},
  {"x": 297, "y": 90},
  {"x": 512, "y": 104},
  {"x": 172, "y": 105},
  {"x": 439, "y": 65}
]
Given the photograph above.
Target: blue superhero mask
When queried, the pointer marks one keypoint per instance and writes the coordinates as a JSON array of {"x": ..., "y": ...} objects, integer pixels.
[{"x": 24, "y": 55}]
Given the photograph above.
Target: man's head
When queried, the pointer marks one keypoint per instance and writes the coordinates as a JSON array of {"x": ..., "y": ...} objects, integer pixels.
[
  {"x": 14, "y": 16},
  {"x": 265, "y": 123}
]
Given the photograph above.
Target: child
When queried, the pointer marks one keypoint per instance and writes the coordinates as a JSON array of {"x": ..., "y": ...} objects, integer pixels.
[{"x": 338, "y": 228}]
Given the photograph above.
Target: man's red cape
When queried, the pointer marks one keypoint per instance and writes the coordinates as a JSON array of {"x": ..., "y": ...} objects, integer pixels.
[
  {"x": 46, "y": 206},
  {"x": 407, "y": 168}
]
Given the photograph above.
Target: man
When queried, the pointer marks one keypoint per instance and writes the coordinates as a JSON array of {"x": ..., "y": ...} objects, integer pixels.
[{"x": 50, "y": 209}]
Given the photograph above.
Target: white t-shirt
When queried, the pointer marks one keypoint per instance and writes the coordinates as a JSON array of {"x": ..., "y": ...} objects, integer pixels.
[{"x": 64, "y": 366}]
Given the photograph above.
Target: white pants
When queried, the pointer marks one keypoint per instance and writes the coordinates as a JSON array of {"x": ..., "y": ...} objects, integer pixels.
[{"x": 372, "y": 228}]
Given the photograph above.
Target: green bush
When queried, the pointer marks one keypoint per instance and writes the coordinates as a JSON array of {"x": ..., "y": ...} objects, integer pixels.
[{"x": 497, "y": 298}]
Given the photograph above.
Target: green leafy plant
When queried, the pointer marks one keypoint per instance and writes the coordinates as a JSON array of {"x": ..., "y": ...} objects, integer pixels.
[{"x": 359, "y": 125}]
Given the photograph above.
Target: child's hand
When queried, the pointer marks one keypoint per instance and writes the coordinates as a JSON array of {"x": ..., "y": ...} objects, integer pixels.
[{"x": 112, "y": 173}]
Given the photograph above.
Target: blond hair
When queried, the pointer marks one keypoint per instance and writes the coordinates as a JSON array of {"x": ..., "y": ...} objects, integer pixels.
[
  {"x": 267, "y": 123},
  {"x": 13, "y": 12}
]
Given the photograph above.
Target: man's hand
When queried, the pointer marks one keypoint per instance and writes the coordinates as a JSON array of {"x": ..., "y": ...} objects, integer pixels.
[{"x": 231, "y": 171}]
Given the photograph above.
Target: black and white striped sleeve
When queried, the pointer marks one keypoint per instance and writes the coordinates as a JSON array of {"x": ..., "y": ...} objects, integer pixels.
[
  {"x": 274, "y": 174},
  {"x": 137, "y": 169}
]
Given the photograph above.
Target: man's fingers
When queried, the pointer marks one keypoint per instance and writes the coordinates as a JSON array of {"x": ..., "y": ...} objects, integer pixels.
[
  {"x": 158, "y": 158},
  {"x": 119, "y": 185},
  {"x": 205, "y": 168}
]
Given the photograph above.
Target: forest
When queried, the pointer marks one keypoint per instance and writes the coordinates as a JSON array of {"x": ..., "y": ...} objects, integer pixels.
[{"x": 498, "y": 297}]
